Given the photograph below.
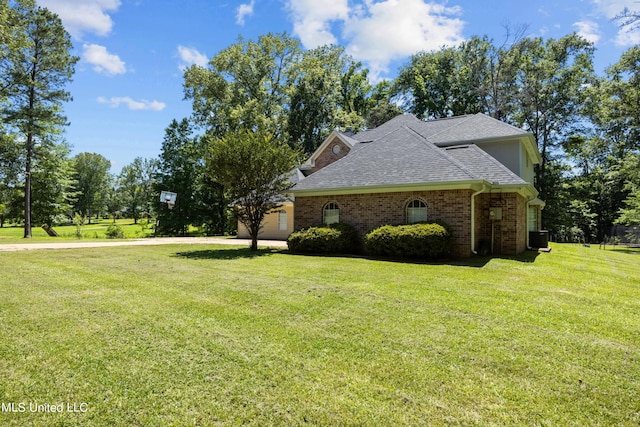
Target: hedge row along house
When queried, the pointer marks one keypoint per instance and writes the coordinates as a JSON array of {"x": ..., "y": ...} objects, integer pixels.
[{"x": 473, "y": 172}]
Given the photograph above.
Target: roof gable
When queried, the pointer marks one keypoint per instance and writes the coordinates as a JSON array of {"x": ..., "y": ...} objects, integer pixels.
[{"x": 347, "y": 140}]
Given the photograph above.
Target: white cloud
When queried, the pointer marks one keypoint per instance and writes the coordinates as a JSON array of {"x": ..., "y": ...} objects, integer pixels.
[
  {"x": 190, "y": 56},
  {"x": 132, "y": 104},
  {"x": 103, "y": 61},
  {"x": 628, "y": 38},
  {"x": 589, "y": 30},
  {"x": 612, "y": 8},
  {"x": 84, "y": 16},
  {"x": 312, "y": 20},
  {"x": 244, "y": 10},
  {"x": 377, "y": 32}
]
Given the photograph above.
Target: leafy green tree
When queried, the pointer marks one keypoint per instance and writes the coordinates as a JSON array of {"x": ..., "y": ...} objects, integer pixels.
[
  {"x": 630, "y": 214},
  {"x": 619, "y": 112},
  {"x": 476, "y": 76},
  {"x": 91, "y": 172},
  {"x": 382, "y": 107},
  {"x": 441, "y": 83},
  {"x": 9, "y": 174},
  {"x": 35, "y": 76},
  {"x": 53, "y": 185},
  {"x": 493, "y": 72},
  {"x": 245, "y": 86},
  {"x": 182, "y": 170},
  {"x": 136, "y": 182},
  {"x": 253, "y": 169},
  {"x": 113, "y": 199},
  {"x": 271, "y": 85},
  {"x": 13, "y": 38},
  {"x": 552, "y": 80},
  {"x": 608, "y": 155},
  {"x": 330, "y": 91}
]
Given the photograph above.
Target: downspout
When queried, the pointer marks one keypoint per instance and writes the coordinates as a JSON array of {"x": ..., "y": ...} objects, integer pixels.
[{"x": 473, "y": 218}]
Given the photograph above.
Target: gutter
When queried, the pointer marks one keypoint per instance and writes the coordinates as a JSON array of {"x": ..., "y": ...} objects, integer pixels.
[
  {"x": 386, "y": 188},
  {"x": 473, "y": 218}
]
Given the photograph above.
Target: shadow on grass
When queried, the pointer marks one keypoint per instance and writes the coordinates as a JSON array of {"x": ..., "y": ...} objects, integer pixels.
[
  {"x": 477, "y": 261},
  {"x": 474, "y": 261},
  {"x": 623, "y": 249},
  {"x": 225, "y": 254}
]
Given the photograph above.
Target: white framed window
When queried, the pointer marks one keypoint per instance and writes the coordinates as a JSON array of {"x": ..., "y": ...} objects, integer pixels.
[
  {"x": 331, "y": 213},
  {"x": 532, "y": 219},
  {"x": 282, "y": 220},
  {"x": 416, "y": 211}
]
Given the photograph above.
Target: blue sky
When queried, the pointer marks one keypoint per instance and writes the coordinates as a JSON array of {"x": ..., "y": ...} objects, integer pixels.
[{"x": 128, "y": 83}]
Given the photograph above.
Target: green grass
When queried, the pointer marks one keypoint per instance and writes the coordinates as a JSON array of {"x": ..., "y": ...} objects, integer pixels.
[
  {"x": 95, "y": 230},
  {"x": 184, "y": 335}
]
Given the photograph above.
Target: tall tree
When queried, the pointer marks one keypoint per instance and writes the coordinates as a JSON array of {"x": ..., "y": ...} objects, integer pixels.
[
  {"x": 440, "y": 84},
  {"x": 253, "y": 169},
  {"x": 270, "y": 85},
  {"x": 136, "y": 182},
  {"x": 9, "y": 175},
  {"x": 612, "y": 142},
  {"x": 382, "y": 106},
  {"x": 53, "y": 184},
  {"x": 182, "y": 170},
  {"x": 12, "y": 38},
  {"x": 113, "y": 199},
  {"x": 37, "y": 74},
  {"x": 619, "y": 115},
  {"x": 493, "y": 72},
  {"x": 331, "y": 90},
  {"x": 245, "y": 86},
  {"x": 552, "y": 80},
  {"x": 91, "y": 172}
]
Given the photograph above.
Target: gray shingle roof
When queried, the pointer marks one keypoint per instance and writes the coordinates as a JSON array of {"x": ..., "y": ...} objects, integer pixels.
[
  {"x": 406, "y": 150},
  {"x": 483, "y": 166},
  {"x": 458, "y": 129}
]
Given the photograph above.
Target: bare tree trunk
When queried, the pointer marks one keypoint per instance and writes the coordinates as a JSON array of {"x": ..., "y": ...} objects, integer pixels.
[
  {"x": 254, "y": 240},
  {"x": 27, "y": 189}
]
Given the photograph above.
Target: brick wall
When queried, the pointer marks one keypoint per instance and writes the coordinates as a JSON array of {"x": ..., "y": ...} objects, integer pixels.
[
  {"x": 369, "y": 211},
  {"x": 327, "y": 156},
  {"x": 509, "y": 233}
]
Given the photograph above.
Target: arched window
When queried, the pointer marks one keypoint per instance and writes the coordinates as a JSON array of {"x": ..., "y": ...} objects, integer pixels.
[
  {"x": 416, "y": 211},
  {"x": 331, "y": 213}
]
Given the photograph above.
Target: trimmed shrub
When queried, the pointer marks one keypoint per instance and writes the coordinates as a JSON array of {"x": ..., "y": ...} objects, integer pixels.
[
  {"x": 330, "y": 239},
  {"x": 432, "y": 240}
]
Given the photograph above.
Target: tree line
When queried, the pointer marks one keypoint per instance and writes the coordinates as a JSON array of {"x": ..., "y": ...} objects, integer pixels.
[{"x": 270, "y": 89}]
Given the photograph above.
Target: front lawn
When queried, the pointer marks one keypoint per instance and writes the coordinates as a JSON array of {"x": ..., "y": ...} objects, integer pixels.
[{"x": 183, "y": 335}]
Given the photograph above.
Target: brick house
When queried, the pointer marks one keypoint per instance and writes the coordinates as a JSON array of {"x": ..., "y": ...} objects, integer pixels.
[{"x": 473, "y": 172}]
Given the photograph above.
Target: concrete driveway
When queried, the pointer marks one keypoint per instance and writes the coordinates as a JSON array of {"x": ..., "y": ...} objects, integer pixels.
[{"x": 11, "y": 247}]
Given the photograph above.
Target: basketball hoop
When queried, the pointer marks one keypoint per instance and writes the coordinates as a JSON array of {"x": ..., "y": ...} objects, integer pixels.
[{"x": 169, "y": 198}]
